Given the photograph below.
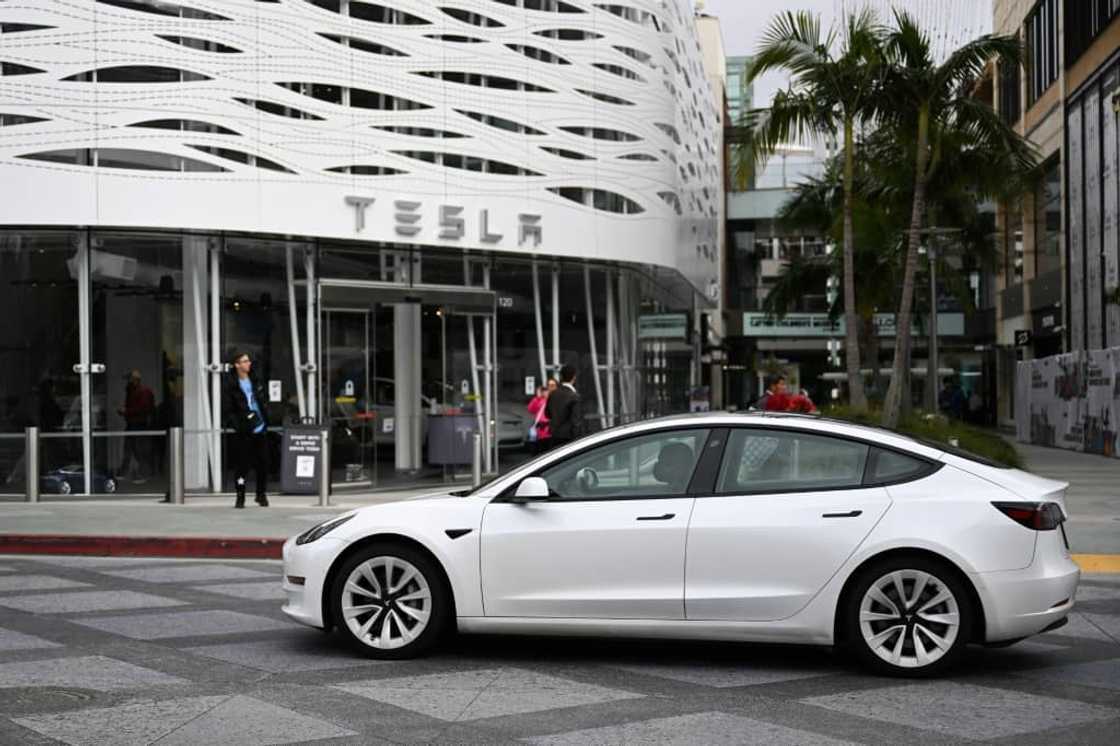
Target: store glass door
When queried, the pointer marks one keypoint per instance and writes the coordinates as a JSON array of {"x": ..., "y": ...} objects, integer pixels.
[
  {"x": 349, "y": 399},
  {"x": 407, "y": 371}
]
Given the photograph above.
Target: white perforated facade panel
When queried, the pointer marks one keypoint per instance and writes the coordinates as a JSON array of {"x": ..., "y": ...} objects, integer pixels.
[{"x": 582, "y": 129}]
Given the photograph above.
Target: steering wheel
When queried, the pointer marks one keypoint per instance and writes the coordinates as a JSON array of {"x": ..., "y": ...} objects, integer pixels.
[{"x": 587, "y": 478}]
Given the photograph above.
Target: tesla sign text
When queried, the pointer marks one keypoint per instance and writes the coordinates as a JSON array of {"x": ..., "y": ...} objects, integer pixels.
[{"x": 408, "y": 218}]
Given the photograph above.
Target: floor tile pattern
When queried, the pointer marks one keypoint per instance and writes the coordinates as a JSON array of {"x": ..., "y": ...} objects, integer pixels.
[{"x": 99, "y": 651}]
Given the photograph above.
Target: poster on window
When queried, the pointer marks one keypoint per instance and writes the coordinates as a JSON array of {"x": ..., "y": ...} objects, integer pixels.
[
  {"x": 1076, "y": 235},
  {"x": 1071, "y": 401},
  {"x": 1110, "y": 184},
  {"x": 1094, "y": 290}
]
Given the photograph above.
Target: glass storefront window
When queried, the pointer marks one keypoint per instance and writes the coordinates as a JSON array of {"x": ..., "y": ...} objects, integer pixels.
[
  {"x": 136, "y": 309},
  {"x": 39, "y": 346}
]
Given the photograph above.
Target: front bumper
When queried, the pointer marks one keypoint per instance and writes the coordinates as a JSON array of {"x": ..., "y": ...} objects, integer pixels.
[
  {"x": 311, "y": 562},
  {"x": 1020, "y": 603}
]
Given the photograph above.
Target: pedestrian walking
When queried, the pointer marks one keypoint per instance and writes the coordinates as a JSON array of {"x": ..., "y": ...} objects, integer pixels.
[
  {"x": 539, "y": 433},
  {"x": 242, "y": 397},
  {"x": 563, "y": 410}
]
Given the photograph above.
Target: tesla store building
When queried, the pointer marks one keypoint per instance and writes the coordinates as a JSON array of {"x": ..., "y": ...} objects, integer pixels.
[{"x": 406, "y": 212}]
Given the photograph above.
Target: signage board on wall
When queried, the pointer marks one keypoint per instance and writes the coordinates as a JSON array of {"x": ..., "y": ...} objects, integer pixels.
[{"x": 664, "y": 326}]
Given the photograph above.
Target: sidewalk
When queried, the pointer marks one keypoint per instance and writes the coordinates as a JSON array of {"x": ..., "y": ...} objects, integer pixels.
[
  {"x": 204, "y": 527},
  {"x": 210, "y": 527}
]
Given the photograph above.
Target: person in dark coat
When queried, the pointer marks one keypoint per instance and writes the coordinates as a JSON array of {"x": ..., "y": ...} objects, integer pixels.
[
  {"x": 243, "y": 405},
  {"x": 563, "y": 410}
]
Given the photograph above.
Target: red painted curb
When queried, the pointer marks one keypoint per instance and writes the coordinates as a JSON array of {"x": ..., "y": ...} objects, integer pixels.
[{"x": 141, "y": 546}]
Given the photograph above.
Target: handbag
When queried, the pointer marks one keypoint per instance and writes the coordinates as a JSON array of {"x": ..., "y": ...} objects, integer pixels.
[{"x": 534, "y": 431}]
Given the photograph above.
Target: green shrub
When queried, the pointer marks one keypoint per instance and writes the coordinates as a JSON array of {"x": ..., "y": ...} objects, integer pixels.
[{"x": 985, "y": 443}]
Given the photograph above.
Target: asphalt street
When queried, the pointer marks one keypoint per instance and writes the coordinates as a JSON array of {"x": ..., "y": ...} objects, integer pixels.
[{"x": 138, "y": 651}]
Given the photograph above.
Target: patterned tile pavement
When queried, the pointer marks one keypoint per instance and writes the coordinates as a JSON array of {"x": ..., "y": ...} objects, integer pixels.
[{"x": 197, "y": 652}]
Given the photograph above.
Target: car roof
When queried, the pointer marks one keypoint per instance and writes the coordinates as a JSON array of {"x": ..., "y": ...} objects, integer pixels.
[{"x": 788, "y": 420}]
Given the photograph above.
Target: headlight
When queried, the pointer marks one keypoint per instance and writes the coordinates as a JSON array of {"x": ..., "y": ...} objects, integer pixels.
[{"x": 324, "y": 528}]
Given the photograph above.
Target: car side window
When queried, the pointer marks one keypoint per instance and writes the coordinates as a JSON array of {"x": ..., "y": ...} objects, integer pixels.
[
  {"x": 655, "y": 465},
  {"x": 759, "y": 460},
  {"x": 892, "y": 466}
]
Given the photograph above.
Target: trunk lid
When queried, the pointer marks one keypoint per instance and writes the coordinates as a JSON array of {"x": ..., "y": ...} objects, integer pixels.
[{"x": 1026, "y": 486}]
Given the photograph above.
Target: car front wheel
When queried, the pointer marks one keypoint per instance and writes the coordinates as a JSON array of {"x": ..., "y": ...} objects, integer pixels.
[
  {"x": 390, "y": 601},
  {"x": 908, "y": 617}
]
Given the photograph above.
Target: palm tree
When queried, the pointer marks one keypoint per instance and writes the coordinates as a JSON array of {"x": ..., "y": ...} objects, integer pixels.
[
  {"x": 832, "y": 86},
  {"x": 931, "y": 107}
]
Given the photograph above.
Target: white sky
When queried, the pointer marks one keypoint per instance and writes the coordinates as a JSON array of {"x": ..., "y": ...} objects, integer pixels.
[
  {"x": 743, "y": 23},
  {"x": 950, "y": 23}
]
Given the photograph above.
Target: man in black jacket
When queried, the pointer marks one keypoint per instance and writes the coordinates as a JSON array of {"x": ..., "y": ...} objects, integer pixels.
[
  {"x": 244, "y": 409},
  {"x": 563, "y": 410}
]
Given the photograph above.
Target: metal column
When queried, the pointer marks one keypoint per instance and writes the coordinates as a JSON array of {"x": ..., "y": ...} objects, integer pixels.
[
  {"x": 592, "y": 344},
  {"x": 556, "y": 363},
  {"x": 325, "y": 465},
  {"x": 176, "y": 475},
  {"x": 31, "y": 462},
  {"x": 611, "y": 367},
  {"x": 85, "y": 363},
  {"x": 216, "y": 369}
]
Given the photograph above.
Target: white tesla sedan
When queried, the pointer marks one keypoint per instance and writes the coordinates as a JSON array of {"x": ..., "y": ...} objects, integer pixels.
[{"x": 752, "y": 527}]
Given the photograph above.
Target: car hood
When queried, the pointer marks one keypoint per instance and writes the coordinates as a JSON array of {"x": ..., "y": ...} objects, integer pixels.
[
  {"x": 415, "y": 517},
  {"x": 433, "y": 496}
]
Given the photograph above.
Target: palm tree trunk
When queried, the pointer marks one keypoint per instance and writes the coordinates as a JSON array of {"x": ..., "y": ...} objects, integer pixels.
[
  {"x": 857, "y": 399},
  {"x": 900, "y": 370},
  {"x": 871, "y": 343}
]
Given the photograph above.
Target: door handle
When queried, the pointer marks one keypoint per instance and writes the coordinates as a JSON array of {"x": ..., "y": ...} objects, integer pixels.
[
  {"x": 849, "y": 514},
  {"x": 662, "y": 517}
]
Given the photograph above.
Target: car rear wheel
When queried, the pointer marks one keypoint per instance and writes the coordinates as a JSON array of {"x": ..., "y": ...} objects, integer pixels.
[
  {"x": 908, "y": 616},
  {"x": 390, "y": 601}
]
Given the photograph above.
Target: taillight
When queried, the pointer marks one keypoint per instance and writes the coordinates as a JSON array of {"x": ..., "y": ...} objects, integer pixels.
[{"x": 1037, "y": 516}]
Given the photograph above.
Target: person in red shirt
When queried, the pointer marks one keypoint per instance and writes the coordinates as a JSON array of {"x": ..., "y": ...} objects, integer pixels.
[
  {"x": 776, "y": 398},
  {"x": 139, "y": 407}
]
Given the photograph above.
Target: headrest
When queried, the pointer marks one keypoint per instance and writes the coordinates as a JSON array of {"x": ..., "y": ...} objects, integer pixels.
[{"x": 673, "y": 463}]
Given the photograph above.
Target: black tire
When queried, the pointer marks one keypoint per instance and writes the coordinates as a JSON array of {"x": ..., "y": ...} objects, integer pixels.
[
  {"x": 942, "y": 576},
  {"x": 440, "y": 610}
]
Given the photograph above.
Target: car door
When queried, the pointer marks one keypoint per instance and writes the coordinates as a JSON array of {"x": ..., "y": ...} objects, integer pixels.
[
  {"x": 789, "y": 507},
  {"x": 609, "y": 543}
]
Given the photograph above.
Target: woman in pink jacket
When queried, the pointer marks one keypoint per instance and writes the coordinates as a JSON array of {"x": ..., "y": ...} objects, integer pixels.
[{"x": 540, "y": 421}]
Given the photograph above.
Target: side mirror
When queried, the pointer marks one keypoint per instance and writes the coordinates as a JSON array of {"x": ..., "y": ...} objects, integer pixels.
[{"x": 531, "y": 488}]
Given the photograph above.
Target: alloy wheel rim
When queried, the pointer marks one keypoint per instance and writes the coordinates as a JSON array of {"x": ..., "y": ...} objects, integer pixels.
[
  {"x": 909, "y": 618},
  {"x": 386, "y": 602}
]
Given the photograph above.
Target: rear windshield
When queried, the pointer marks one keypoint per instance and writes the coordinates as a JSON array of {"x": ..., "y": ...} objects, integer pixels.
[
  {"x": 954, "y": 450},
  {"x": 958, "y": 451}
]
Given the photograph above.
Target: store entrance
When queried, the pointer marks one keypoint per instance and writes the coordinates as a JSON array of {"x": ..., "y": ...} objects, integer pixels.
[{"x": 407, "y": 375}]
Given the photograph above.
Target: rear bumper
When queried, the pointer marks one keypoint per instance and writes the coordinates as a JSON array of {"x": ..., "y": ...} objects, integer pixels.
[{"x": 1021, "y": 603}]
